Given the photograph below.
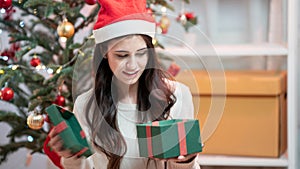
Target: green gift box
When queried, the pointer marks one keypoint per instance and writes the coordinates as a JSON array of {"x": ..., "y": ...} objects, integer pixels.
[
  {"x": 169, "y": 138},
  {"x": 69, "y": 130}
]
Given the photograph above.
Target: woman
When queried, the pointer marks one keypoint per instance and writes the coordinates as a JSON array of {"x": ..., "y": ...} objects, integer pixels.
[{"x": 129, "y": 88}]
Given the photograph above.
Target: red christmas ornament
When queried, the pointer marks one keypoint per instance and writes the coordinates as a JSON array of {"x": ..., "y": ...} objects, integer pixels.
[
  {"x": 60, "y": 100},
  {"x": 8, "y": 53},
  {"x": 189, "y": 15},
  {"x": 164, "y": 31},
  {"x": 5, "y": 4},
  {"x": 174, "y": 69},
  {"x": 35, "y": 62},
  {"x": 15, "y": 47},
  {"x": 8, "y": 13},
  {"x": 7, "y": 94},
  {"x": 91, "y": 2}
]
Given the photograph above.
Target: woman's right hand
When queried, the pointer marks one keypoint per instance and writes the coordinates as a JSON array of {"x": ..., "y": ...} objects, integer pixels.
[{"x": 56, "y": 144}]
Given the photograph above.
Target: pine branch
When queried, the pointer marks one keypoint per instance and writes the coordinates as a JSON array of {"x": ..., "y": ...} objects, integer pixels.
[
  {"x": 64, "y": 72},
  {"x": 21, "y": 98},
  {"x": 24, "y": 130},
  {"x": 41, "y": 92},
  {"x": 6, "y": 77},
  {"x": 33, "y": 77},
  {"x": 34, "y": 103},
  {"x": 19, "y": 54},
  {"x": 46, "y": 56},
  {"x": 75, "y": 14},
  {"x": 12, "y": 25},
  {"x": 162, "y": 3},
  {"x": 7, "y": 25},
  {"x": 91, "y": 18},
  {"x": 11, "y": 118},
  {"x": 38, "y": 38},
  {"x": 34, "y": 3},
  {"x": 17, "y": 131},
  {"x": 47, "y": 22},
  {"x": 11, "y": 147},
  {"x": 21, "y": 37},
  {"x": 44, "y": 40}
]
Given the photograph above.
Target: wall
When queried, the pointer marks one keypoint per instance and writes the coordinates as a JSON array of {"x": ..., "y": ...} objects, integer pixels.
[
  {"x": 230, "y": 22},
  {"x": 298, "y": 75}
]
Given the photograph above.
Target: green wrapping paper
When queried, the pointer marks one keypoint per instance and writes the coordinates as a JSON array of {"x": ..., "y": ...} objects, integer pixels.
[
  {"x": 69, "y": 130},
  {"x": 169, "y": 138}
]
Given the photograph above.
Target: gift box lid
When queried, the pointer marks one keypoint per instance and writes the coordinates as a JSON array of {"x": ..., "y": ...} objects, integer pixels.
[
  {"x": 69, "y": 130},
  {"x": 243, "y": 82}
]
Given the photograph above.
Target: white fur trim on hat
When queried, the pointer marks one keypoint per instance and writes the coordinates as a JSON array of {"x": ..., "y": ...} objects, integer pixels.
[{"x": 122, "y": 28}]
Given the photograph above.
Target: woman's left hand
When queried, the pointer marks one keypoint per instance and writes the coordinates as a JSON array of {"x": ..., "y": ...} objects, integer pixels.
[
  {"x": 183, "y": 159},
  {"x": 180, "y": 159}
]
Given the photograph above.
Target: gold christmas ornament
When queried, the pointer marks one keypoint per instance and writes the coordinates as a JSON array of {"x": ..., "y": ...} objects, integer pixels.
[
  {"x": 154, "y": 41},
  {"x": 35, "y": 121},
  {"x": 164, "y": 22},
  {"x": 65, "y": 29}
]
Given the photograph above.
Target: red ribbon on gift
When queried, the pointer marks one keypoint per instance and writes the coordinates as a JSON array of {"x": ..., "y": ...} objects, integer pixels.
[
  {"x": 79, "y": 153},
  {"x": 149, "y": 137},
  {"x": 82, "y": 134},
  {"x": 62, "y": 110},
  {"x": 149, "y": 141},
  {"x": 182, "y": 138},
  {"x": 61, "y": 127}
]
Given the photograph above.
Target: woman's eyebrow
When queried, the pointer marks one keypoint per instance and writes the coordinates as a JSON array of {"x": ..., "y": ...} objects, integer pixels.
[
  {"x": 125, "y": 51},
  {"x": 122, "y": 51},
  {"x": 142, "y": 49}
]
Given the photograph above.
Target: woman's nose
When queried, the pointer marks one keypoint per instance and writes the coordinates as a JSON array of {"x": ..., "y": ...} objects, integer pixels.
[{"x": 131, "y": 63}]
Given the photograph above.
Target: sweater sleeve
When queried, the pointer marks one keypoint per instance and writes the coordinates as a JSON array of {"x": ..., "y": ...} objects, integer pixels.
[
  {"x": 80, "y": 112},
  {"x": 183, "y": 108},
  {"x": 74, "y": 162}
]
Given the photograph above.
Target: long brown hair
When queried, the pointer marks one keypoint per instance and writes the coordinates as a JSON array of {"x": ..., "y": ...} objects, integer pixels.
[{"x": 102, "y": 118}]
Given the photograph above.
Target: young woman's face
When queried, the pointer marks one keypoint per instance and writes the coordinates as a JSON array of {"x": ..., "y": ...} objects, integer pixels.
[{"x": 127, "y": 58}]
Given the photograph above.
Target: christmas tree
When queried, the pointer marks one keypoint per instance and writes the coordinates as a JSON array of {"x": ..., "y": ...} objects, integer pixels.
[{"x": 37, "y": 69}]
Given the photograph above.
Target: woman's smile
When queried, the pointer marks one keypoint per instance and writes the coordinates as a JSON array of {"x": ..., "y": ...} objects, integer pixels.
[
  {"x": 131, "y": 73},
  {"x": 130, "y": 76}
]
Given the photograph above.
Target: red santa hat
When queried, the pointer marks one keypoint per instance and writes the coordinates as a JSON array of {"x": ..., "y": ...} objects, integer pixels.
[{"x": 122, "y": 17}]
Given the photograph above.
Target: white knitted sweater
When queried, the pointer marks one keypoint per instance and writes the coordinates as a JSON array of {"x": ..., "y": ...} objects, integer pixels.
[{"x": 127, "y": 114}]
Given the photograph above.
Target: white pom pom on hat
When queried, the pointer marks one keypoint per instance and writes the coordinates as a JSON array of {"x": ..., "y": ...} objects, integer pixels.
[{"x": 122, "y": 17}]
